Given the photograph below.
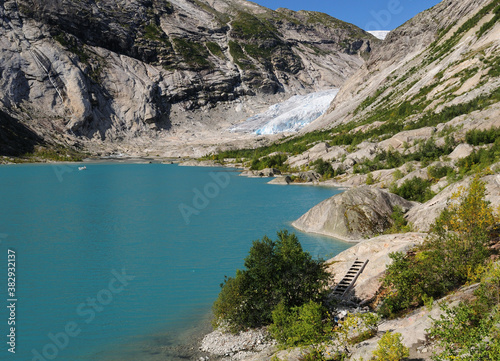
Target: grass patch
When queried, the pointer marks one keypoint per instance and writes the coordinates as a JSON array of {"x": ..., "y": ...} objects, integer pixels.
[
  {"x": 195, "y": 54},
  {"x": 239, "y": 56},
  {"x": 248, "y": 27},
  {"x": 215, "y": 49}
]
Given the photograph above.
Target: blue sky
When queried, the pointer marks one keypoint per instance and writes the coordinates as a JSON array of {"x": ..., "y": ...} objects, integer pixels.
[{"x": 367, "y": 14}]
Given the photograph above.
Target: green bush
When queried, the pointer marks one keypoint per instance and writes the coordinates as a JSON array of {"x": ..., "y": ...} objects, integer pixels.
[
  {"x": 480, "y": 159},
  {"x": 356, "y": 328},
  {"x": 275, "y": 271},
  {"x": 324, "y": 168},
  {"x": 399, "y": 223},
  {"x": 471, "y": 330},
  {"x": 481, "y": 137},
  {"x": 438, "y": 172},
  {"x": 414, "y": 189},
  {"x": 391, "y": 348},
  {"x": 458, "y": 243},
  {"x": 300, "y": 326},
  {"x": 275, "y": 161},
  {"x": 369, "y": 179}
]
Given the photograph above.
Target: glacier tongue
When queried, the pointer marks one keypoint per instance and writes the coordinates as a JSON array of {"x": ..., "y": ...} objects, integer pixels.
[{"x": 290, "y": 115}]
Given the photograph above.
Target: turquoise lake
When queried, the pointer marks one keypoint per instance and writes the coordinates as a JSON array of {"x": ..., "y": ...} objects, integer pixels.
[{"x": 123, "y": 261}]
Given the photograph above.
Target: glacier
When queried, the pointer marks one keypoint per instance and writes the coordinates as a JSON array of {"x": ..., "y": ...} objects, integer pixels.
[{"x": 290, "y": 115}]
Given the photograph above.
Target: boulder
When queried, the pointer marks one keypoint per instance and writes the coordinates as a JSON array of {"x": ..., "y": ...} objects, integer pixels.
[
  {"x": 461, "y": 151},
  {"x": 419, "y": 173},
  {"x": 281, "y": 180},
  {"x": 310, "y": 176},
  {"x": 408, "y": 136},
  {"x": 319, "y": 151},
  {"x": 358, "y": 213},
  {"x": 334, "y": 153},
  {"x": 348, "y": 163},
  {"x": 268, "y": 172},
  {"x": 366, "y": 150}
]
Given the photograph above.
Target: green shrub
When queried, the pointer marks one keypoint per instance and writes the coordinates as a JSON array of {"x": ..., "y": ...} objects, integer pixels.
[
  {"x": 275, "y": 271},
  {"x": 398, "y": 174},
  {"x": 414, "y": 189},
  {"x": 471, "y": 330},
  {"x": 480, "y": 137},
  {"x": 300, "y": 326},
  {"x": 438, "y": 172},
  {"x": 399, "y": 223},
  {"x": 369, "y": 179},
  {"x": 324, "y": 168},
  {"x": 391, "y": 348},
  {"x": 357, "y": 327},
  {"x": 480, "y": 159},
  {"x": 275, "y": 161}
]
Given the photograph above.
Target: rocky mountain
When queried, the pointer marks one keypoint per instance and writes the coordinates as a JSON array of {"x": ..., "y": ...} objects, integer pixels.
[
  {"x": 420, "y": 118},
  {"x": 107, "y": 74},
  {"x": 445, "y": 56}
]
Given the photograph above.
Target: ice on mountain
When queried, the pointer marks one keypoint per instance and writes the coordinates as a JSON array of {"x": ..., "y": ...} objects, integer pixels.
[
  {"x": 290, "y": 115},
  {"x": 380, "y": 34}
]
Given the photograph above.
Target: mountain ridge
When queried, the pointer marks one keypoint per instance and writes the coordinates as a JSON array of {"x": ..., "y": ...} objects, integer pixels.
[{"x": 112, "y": 74}]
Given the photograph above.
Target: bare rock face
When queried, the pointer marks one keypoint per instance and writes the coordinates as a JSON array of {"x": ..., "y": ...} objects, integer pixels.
[
  {"x": 353, "y": 215},
  {"x": 319, "y": 151},
  {"x": 116, "y": 71},
  {"x": 461, "y": 151},
  {"x": 376, "y": 251},
  {"x": 423, "y": 215}
]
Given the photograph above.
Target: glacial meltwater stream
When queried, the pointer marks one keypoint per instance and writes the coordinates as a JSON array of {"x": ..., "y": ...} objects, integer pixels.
[{"x": 121, "y": 261}]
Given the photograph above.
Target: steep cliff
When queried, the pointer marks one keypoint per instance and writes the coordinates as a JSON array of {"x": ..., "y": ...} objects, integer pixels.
[{"x": 141, "y": 71}]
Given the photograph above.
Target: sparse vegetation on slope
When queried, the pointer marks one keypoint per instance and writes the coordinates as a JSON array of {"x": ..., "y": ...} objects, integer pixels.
[
  {"x": 456, "y": 248},
  {"x": 471, "y": 330}
]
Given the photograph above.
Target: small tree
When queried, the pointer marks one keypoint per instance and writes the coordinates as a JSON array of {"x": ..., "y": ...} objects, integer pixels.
[
  {"x": 391, "y": 348},
  {"x": 300, "y": 326},
  {"x": 275, "y": 271}
]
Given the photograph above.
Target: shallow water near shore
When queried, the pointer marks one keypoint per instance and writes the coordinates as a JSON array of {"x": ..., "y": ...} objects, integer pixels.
[{"x": 123, "y": 261}]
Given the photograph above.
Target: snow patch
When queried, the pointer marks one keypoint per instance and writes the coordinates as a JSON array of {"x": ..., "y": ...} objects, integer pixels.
[
  {"x": 380, "y": 34},
  {"x": 290, "y": 115}
]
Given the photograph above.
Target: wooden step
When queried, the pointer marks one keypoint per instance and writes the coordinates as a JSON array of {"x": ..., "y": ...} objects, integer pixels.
[{"x": 347, "y": 282}]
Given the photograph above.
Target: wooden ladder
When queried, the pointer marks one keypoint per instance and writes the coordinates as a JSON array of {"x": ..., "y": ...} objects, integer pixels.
[{"x": 349, "y": 279}]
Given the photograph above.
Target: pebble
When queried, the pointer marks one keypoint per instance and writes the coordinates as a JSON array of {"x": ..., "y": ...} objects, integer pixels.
[{"x": 227, "y": 344}]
